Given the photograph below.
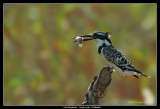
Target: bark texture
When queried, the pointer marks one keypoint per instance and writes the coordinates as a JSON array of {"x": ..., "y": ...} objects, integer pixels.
[{"x": 98, "y": 87}]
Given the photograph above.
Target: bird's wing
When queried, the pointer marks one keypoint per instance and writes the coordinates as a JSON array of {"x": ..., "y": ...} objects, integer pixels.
[{"x": 114, "y": 56}]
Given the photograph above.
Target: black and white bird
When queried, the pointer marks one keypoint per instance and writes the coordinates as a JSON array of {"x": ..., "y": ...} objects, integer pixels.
[{"x": 111, "y": 55}]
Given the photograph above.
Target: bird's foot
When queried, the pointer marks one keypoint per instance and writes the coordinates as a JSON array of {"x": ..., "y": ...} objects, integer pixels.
[{"x": 111, "y": 69}]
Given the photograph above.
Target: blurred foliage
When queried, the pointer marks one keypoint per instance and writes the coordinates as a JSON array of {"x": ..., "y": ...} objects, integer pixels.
[{"x": 42, "y": 65}]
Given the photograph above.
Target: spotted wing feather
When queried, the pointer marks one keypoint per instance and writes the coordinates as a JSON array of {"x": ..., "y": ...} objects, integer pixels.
[{"x": 115, "y": 57}]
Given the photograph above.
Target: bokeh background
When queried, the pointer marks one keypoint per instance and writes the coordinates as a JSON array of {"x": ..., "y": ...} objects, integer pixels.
[{"x": 42, "y": 65}]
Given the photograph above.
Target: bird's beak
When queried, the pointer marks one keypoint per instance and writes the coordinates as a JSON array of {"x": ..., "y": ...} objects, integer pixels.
[{"x": 87, "y": 37}]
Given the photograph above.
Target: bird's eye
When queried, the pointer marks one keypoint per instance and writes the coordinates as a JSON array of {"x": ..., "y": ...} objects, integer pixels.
[{"x": 96, "y": 34}]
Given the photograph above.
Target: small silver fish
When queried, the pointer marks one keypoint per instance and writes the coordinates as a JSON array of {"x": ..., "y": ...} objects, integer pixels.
[{"x": 78, "y": 40}]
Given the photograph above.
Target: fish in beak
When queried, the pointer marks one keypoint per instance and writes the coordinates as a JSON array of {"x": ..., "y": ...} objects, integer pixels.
[{"x": 80, "y": 39}]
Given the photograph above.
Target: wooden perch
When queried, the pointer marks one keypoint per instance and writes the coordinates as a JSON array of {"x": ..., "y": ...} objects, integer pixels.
[{"x": 98, "y": 87}]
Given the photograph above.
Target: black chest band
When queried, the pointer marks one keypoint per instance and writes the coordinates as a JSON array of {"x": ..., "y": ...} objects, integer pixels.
[{"x": 100, "y": 48}]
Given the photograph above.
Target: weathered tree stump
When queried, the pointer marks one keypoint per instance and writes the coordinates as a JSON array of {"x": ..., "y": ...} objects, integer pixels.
[{"x": 98, "y": 87}]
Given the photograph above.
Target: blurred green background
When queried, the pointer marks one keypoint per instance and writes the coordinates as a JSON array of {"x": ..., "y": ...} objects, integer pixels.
[{"x": 42, "y": 65}]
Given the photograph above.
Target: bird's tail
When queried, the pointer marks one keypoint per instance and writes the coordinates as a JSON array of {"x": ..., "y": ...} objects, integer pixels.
[
  {"x": 142, "y": 74},
  {"x": 145, "y": 75}
]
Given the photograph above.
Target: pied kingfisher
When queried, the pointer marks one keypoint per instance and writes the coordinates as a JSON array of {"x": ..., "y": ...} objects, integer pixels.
[{"x": 111, "y": 55}]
